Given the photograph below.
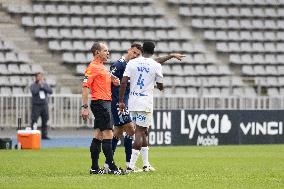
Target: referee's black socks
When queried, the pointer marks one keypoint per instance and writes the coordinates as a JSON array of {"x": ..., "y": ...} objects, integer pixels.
[
  {"x": 114, "y": 143},
  {"x": 95, "y": 150},
  {"x": 107, "y": 149}
]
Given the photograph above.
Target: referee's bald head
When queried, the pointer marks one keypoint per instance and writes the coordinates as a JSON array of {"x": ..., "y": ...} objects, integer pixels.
[{"x": 96, "y": 47}]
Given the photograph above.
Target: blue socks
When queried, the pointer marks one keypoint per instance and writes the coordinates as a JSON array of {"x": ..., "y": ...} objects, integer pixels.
[{"x": 128, "y": 147}]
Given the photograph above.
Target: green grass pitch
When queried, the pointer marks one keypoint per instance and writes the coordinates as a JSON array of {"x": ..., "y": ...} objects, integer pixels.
[{"x": 251, "y": 166}]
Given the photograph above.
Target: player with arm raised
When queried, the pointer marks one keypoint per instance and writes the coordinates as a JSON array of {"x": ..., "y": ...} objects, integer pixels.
[
  {"x": 144, "y": 73},
  {"x": 122, "y": 121}
]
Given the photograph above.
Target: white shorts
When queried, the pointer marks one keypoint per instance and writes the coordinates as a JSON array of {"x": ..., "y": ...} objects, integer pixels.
[{"x": 143, "y": 119}]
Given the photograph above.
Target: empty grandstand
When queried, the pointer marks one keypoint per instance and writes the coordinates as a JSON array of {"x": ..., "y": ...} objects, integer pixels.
[{"x": 233, "y": 48}]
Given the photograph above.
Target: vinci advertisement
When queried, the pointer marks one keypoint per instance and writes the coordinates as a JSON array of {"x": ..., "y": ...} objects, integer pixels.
[{"x": 214, "y": 127}]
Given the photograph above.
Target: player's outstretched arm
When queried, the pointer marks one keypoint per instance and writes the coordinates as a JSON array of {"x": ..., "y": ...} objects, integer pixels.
[{"x": 163, "y": 59}]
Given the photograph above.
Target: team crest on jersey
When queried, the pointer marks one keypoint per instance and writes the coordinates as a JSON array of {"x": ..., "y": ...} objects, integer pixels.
[
  {"x": 85, "y": 80},
  {"x": 113, "y": 70},
  {"x": 88, "y": 72},
  {"x": 121, "y": 60}
]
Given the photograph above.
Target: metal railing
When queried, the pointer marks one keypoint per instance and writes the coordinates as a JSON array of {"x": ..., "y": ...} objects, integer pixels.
[{"x": 65, "y": 109}]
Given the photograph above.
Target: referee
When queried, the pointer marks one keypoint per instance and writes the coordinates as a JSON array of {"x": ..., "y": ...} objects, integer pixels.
[{"x": 98, "y": 81}]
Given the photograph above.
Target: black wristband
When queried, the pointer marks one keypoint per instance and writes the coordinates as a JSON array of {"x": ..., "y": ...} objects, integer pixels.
[{"x": 84, "y": 106}]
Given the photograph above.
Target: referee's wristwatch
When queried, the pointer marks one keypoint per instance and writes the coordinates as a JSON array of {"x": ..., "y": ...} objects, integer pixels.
[{"x": 85, "y": 106}]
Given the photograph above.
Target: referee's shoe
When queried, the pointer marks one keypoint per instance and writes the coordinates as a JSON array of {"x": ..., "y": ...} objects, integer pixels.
[
  {"x": 115, "y": 171},
  {"x": 97, "y": 171}
]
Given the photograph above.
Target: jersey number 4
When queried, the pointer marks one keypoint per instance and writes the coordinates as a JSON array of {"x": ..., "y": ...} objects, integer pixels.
[{"x": 140, "y": 81}]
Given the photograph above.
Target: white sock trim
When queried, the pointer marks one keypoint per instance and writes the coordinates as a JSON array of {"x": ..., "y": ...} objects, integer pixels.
[
  {"x": 134, "y": 156},
  {"x": 145, "y": 155},
  {"x": 145, "y": 148}
]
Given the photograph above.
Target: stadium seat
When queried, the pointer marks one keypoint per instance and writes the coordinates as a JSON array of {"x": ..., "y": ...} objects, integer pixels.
[
  {"x": 114, "y": 34},
  {"x": 14, "y": 69},
  {"x": 77, "y": 34},
  {"x": 150, "y": 35},
  {"x": 114, "y": 46},
  {"x": 112, "y": 22},
  {"x": 17, "y": 91},
  {"x": 225, "y": 81},
  {"x": 178, "y": 81},
  {"x": 25, "y": 69},
  {"x": 237, "y": 81},
  {"x": 199, "y": 58},
  {"x": 27, "y": 21},
  {"x": 248, "y": 91},
  {"x": 68, "y": 57},
  {"x": 16, "y": 81},
  {"x": 53, "y": 33},
  {"x": 51, "y": 9},
  {"x": 54, "y": 45},
  {"x": 192, "y": 91},
  {"x": 65, "y": 90},
  {"x": 89, "y": 34},
  {"x": 200, "y": 69},
  {"x": 273, "y": 92},
  {"x": 79, "y": 46},
  {"x": 272, "y": 81},
  {"x": 190, "y": 81},
  {"x": 52, "y": 21},
  {"x": 41, "y": 33},
  {"x": 63, "y": 9},
  {"x": 88, "y": 21},
  {"x": 36, "y": 68},
  {"x": 190, "y": 70},
  {"x": 65, "y": 33},
  {"x": 149, "y": 22},
  {"x": 64, "y": 21},
  {"x": 66, "y": 45},
  {"x": 39, "y": 21},
  {"x": 81, "y": 58},
  {"x": 177, "y": 70},
  {"x": 75, "y": 9},
  {"x": 80, "y": 69},
  {"x": 51, "y": 80},
  {"x": 180, "y": 90},
  {"x": 4, "y": 81},
  {"x": 5, "y": 91}
]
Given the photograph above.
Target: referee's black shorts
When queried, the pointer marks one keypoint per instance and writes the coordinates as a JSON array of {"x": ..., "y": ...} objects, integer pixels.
[{"x": 102, "y": 113}]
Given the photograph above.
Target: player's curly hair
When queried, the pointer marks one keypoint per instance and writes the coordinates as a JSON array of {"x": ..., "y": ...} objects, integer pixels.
[{"x": 148, "y": 47}]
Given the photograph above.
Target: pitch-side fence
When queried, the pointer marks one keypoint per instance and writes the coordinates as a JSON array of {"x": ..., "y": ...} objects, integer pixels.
[{"x": 65, "y": 109}]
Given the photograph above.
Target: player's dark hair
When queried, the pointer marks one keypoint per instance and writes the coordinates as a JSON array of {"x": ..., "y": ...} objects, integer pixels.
[
  {"x": 96, "y": 47},
  {"x": 137, "y": 45},
  {"x": 148, "y": 47},
  {"x": 37, "y": 73}
]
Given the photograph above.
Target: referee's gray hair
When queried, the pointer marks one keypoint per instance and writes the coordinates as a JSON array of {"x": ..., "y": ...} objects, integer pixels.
[{"x": 96, "y": 47}]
